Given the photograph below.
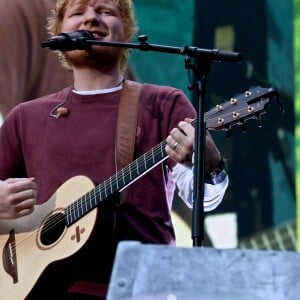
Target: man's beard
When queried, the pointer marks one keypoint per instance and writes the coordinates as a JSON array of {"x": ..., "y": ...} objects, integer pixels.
[{"x": 86, "y": 58}]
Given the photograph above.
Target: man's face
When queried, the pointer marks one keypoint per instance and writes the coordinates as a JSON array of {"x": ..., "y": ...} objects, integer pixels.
[{"x": 102, "y": 18}]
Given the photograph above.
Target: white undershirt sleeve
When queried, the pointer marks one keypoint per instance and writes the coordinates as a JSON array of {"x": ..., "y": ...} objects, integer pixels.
[{"x": 213, "y": 194}]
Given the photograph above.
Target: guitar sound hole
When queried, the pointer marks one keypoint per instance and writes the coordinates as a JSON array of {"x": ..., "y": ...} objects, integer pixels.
[{"x": 53, "y": 229}]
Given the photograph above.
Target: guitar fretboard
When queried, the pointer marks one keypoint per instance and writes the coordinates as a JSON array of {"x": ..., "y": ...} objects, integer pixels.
[{"x": 115, "y": 183}]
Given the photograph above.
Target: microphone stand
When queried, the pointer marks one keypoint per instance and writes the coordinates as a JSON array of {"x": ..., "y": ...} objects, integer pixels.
[
  {"x": 200, "y": 70},
  {"x": 85, "y": 42},
  {"x": 199, "y": 61}
]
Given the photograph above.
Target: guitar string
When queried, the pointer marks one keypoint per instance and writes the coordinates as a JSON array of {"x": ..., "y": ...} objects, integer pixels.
[{"x": 101, "y": 188}]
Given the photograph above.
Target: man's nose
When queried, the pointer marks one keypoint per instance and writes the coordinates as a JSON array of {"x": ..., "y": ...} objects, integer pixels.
[{"x": 91, "y": 16}]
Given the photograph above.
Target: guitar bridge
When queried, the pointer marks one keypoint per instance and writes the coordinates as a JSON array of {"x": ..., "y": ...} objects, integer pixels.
[{"x": 9, "y": 257}]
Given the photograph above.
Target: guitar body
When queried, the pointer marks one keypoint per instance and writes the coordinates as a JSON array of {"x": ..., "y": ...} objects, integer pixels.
[{"x": 26, "y": 252}]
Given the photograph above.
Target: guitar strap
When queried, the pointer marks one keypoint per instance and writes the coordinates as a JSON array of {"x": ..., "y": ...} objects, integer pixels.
[{"x": 127, "y": 123}]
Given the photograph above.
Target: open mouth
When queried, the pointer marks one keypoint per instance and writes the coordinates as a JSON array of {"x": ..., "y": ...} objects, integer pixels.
[{"x": 98, "y": 35}]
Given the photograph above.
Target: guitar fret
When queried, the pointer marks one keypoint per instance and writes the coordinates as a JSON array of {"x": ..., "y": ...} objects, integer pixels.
[
  {"x": 84, "y": 202},
  {"x": 115, "y": 184},
  {"x": 130, "y": 176},
  {"x": 86, "y": 206},
  {"x": 93, "y": 199},
  {"x": 152, "y": 155},
  {"x": 162, "y": 149},
  {"x": 72, "y": 212},
  {"x": 97, "y": 196},
  {"x": 80, "y": 206},
  {"x": 89, "y": 201},
  {"x": 76, "y": 209},
  {"x": 77, "y": 214},
  {"x": 69, "y": 220},
  {"x": 123, "y": 177},
  {"x": 111, "y": 185},
  {"x": 105, "y": 191},
  {"x": 81, "y": 203}
]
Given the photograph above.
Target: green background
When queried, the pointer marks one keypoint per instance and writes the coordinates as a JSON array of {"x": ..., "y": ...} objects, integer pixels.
[{"x": 261, "y": 163}]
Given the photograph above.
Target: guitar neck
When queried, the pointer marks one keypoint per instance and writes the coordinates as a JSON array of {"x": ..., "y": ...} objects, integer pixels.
[{"x": 116, "y": 183}]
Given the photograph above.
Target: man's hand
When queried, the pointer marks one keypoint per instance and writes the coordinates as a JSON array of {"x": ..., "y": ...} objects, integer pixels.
[
  {"x": 17, "y": 197},
  {"x": 180, "y": 143},
  {"x": 180, "y": 146}
]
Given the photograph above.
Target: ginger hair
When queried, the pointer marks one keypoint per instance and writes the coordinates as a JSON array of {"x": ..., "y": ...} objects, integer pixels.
[{"x": 126, "y": 10}]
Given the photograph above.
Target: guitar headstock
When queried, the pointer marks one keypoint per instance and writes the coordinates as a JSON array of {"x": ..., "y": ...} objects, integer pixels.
[{"x": 249, "y": 105}]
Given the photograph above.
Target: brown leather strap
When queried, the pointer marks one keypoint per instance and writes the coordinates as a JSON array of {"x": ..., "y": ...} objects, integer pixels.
[{"x": 127, "y": 123}]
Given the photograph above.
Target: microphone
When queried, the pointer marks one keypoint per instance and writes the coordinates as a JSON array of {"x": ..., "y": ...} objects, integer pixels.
[{"x": 69, "y": 41}]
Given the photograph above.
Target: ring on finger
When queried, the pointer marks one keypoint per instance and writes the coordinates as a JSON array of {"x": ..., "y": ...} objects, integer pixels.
[{"x": 175, "y": 145}]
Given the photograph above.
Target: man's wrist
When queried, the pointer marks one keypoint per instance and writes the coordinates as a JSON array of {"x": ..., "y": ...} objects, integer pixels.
[{"x": 217, "y": 175}]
